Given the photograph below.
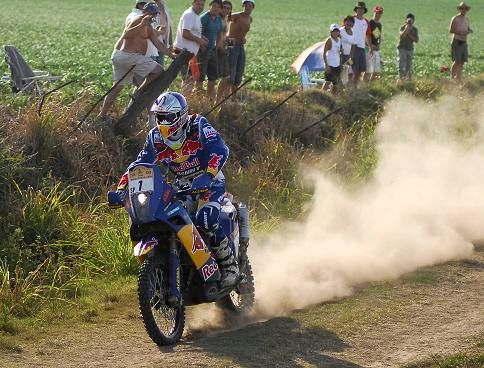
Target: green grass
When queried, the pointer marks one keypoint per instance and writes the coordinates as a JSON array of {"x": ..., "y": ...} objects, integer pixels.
[
  {"x": 76, "y": 38},
  {"x": 460, "y": 360}
]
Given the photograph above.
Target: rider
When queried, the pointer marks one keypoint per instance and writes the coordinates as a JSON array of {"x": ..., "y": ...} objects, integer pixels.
[{"x": 195, "y": 153}]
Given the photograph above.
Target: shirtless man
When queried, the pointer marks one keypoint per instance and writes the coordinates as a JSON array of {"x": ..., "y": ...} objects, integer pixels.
[
  {"x": 130, "y": 50},
  {"x": 239, "y": 26},
  {"x": 459, "y": 27}
]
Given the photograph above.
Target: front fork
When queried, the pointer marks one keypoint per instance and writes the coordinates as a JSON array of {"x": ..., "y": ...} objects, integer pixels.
[{"x": 174, "y": 296}]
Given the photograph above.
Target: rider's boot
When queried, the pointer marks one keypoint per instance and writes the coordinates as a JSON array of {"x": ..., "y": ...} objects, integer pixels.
[{"x": 228, "y": 265}]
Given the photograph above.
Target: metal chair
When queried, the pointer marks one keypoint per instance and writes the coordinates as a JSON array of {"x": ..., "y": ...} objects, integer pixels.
[
  {"x": 306, "y": 80},
  {"x": 22, "y": 77}
]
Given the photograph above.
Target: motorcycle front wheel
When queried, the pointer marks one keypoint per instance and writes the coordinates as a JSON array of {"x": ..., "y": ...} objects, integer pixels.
[{"x": 164, "y": 323}]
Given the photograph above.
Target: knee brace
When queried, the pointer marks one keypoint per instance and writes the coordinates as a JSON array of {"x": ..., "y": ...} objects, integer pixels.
[{"x": 207, "y": 218}]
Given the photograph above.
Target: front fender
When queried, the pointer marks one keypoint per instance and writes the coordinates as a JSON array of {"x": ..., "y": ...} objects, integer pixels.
[{"x": 144, "y": 247}]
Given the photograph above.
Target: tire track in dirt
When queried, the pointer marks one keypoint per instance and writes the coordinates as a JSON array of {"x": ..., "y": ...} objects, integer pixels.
[{"x": 442, "y": 317}]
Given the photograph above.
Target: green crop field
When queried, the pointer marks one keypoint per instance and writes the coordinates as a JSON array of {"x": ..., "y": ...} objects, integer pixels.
[{"x": 75, "y": 38}]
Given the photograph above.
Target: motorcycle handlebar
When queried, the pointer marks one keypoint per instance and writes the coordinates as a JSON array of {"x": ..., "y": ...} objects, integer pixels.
[{"x": 116, "y": 197}]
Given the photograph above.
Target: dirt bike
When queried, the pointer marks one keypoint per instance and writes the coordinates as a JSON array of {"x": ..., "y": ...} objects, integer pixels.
[{"x": 178, "y": 268}]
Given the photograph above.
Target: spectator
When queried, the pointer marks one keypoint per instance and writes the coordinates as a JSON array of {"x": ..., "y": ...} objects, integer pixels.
[
  {"x": 207, "y": 57},
  {"x": 332, "y": 59},
  {"x": 162, "y": 25},
  {"x": 459, "y": 27},
  {"x": 348, "y": 44},
  {"x": 223, "y": 53},
  {"x": 239, "y": 26},
  {"x": 189, "y": 37},
  {"x": 408, "y": 36},
  {"x": 373, "y": 58},
  {"x": 130, "y": 50},
  {"x": 360, "y": 30}
]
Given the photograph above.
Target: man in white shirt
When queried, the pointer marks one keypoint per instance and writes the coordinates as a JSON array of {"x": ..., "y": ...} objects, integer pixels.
[
  {"x": 189, "y": 37},
  {"x": 360, "y": 30}
]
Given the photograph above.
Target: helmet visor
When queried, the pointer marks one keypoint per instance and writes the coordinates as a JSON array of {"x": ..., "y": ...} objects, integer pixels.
[{"x": 169, "y": 122}]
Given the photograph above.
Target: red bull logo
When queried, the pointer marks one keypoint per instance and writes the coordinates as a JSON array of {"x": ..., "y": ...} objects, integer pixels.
[
  {"x": 214, "y": 161},
  {"x": 208, "y": 270},
  {"x": 168, "y": 155},
  {"x": 197, "y": 244},
  {"x": 187, "y": 165},
  {"x": 190, "y": 147}
]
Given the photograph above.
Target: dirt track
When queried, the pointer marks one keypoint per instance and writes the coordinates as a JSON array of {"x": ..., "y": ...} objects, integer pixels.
[{"x": 442, "y": 313}]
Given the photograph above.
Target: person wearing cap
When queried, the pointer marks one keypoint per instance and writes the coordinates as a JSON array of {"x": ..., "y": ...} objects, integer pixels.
[
  {"x": 373, "y": 57},
  {"x": 135, "y": 12},
  {"x": 360, "y": 30},
  {"x": 460, "y": 29},
  {"x": 189, "y": 37},
  {"x": 162, "y": 27},
  {"x": 239, "y": 26},
  {"x": 332, "y": 58},
  {"x": 408, "y": 36},
  {"x": 129, "y": 56}
]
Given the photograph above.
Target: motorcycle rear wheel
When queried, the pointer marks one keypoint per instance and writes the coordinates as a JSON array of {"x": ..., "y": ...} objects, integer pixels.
[
  {"x": 164, "y": 324},
  {"x": 242, "y": 298}
]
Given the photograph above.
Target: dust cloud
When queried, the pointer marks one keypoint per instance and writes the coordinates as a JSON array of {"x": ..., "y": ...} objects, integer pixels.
[{"x": 424, "y": 205}]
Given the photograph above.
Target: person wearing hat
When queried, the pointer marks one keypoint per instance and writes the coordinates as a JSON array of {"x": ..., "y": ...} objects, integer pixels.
[
  {"x": 373, "y": 57},
  {"x": 332, "y": 58},
  {"x": 459, "y": 27},
  {"x": 360, "y": 30},
  {"x": 135, "y": 12},
  {"x": 238, "y": 27},
  {"x": 161, "y": 25},
  {"x": 130, "y": 50}
]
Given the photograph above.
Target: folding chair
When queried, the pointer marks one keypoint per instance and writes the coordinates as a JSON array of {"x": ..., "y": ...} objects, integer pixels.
[
  {"x": 306, "y": 80},
  {"x": 22, "y": 77}
]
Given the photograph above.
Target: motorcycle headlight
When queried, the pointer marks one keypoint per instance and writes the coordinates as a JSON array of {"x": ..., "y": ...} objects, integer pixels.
[{"x": 142, "y": 199}]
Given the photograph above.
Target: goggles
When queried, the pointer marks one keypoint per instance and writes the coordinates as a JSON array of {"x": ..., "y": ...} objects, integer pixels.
[{"x": 169, "y": 122}]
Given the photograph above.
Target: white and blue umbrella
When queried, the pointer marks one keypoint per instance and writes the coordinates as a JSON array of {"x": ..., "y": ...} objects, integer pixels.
[{"x": 312, "y": 58}]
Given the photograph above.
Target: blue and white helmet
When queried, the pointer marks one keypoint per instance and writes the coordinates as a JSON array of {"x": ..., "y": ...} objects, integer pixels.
[{"x": 170, "y": 112}]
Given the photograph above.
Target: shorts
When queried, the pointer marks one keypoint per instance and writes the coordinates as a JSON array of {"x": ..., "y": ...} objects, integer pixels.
[
  {"x": 334, "y": 75},
  {"x": 460, "y": 53},
  {"x": 373, "y": 62},
  {"x": 123, "y": 61},
  {"x": 236, "y": 64},
  {"x": 223, "y": 64},
  {"x": 359, "y": 60},
  {"x": 208, "y": 65}
]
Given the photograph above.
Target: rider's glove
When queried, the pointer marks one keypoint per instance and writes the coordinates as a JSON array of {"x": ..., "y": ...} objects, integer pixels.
[
  {"x": 116, "y": 198},
  {"x": 201, "y": 183}
]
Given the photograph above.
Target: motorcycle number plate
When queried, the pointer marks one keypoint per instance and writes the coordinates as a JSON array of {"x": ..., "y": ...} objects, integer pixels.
[{"x": 140, "y": 180}]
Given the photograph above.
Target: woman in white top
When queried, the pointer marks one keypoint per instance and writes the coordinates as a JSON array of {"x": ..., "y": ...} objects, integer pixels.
[
  {"x": 332, "y": 58},
  {"x": 347, "y": 38},
  {"x": 348, "y": 42}
]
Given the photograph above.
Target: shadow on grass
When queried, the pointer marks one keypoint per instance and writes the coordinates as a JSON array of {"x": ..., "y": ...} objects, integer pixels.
[{"x": 279, "y": 342}]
